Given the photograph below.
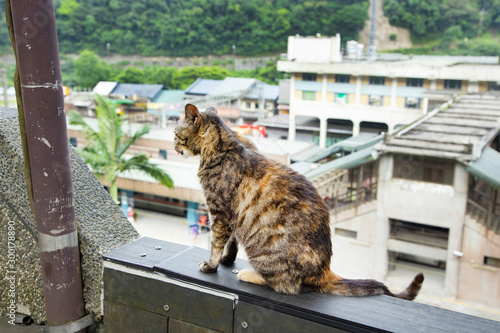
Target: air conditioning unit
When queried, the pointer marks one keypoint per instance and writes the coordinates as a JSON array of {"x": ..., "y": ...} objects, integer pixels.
[
  {"x": 411, "y": 101},
  {"x": 375, "y": 99}
]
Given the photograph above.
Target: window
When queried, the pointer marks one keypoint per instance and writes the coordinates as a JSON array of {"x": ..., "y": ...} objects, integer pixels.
[
  {"x": 346, "y": 233},
  {"x": 376, "y": 100},
  {"x": 341, "y": 78},
  {"x": 341, "y": 98},
  {"x": 412, "y": 82},
  {"x": 378, "y": 80},
  {"x": 419, "y": 233},
  {"x": 404, "y": 260},
  {"x": 490, "y": 261},
  {"x": 453, "y": 84},
  {"x": 248, "y": 105},
  {"x": 493, "y": 85},
  {"x": 426, "y": 169},
  {"x": 412, "y": 102},
  {"x": 309, "y": 95},
  {"x": 309, "y": 76}
]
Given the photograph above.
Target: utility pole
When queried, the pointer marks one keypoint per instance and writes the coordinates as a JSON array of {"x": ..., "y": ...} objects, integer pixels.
[{"x": 32, "y": 29}]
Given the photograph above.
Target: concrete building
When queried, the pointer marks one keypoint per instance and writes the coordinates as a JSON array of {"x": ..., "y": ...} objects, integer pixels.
[
  {"x": 365, "y": 95},
  {"x": 436, "y": 208}
]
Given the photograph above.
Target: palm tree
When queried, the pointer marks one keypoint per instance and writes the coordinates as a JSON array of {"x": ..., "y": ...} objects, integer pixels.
[{"x": 105, "y": 153}]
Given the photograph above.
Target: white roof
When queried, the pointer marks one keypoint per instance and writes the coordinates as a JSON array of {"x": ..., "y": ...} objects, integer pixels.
[
  {"x": 104, "y": 88},
  {"x": 184, "y": 175},
  {"x": 233, "y": 84}
]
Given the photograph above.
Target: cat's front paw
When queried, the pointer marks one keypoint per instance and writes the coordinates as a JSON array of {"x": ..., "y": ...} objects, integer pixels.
[{"x": 206, "y": 267}]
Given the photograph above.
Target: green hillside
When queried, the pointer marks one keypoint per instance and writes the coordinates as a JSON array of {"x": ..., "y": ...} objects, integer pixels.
[
  {"x": 200, "y": 27},
  {"x": 455, "y": 27},
  {"x": 211, "y": 27}
]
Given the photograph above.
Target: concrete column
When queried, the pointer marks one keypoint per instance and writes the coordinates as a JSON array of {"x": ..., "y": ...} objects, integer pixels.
[
  {"x": 425, "y": 105},
  {"x": 291, "y": 128},
  {"x": 433, "y": 84},
  {"x": 473, "y": 87},
  {"x": 394, "y": 92},
  {"x": 381, "y": 256},
  {"x": 323, "y": 127},
  {"x": 355, "y": 128},
  {"x": 455, "y": 238},
  {"x": 357, "y": 98}
]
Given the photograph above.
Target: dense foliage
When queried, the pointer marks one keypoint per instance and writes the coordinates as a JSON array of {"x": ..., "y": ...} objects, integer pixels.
[
  {"x": 200, "y": 27},
  {"x": 88, "y": 69},
  {"x": 454, "y": 27},
  {"x": 425, "y": 17}
]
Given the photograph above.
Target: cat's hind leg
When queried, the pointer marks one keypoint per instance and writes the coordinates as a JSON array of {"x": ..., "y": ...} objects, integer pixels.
[{"x": 248, "y": 275}]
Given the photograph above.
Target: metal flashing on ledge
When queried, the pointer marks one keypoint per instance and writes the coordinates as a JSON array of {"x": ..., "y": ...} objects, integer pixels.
[{"x": 175, "y": 289}]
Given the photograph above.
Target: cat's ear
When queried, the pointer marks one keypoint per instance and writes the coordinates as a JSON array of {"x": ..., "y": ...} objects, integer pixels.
[
  {"x": 191, "y": 113},
  {"x": 211, "y": 109}
]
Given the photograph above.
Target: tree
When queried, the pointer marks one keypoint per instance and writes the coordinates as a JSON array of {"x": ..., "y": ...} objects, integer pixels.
[
  {"x": 186, "y": 76},
  {"x": 451, "y": 35},
  {"x": 105, "y": 154},
  {"x": 131, "y": 75},
  {"x": 89, "y": 69}
]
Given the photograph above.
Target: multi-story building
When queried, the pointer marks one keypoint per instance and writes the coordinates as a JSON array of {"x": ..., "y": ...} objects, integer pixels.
[
  {"x": 435, "y": 206},
  {"x": 380, "y": 95}
]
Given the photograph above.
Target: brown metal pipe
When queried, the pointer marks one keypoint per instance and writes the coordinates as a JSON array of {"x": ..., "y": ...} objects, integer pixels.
[{"x": 37, "y": 51}]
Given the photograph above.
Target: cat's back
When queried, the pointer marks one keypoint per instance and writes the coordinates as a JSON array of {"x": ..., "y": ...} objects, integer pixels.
[{"x": 277, "y": 195}]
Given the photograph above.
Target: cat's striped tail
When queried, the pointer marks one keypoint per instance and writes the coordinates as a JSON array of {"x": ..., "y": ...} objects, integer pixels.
[{"x": 336, "y": 285}]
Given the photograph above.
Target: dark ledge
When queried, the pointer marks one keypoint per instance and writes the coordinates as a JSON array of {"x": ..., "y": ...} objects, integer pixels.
[{"x": 352, "y": 314}]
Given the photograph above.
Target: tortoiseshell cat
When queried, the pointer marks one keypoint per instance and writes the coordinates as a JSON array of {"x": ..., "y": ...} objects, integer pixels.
[{"x": 272, "y": 211}]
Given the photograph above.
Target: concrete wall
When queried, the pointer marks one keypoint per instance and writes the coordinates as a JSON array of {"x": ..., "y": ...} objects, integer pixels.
[
  {"x": 425, "y": 203},
  {"x": 352, "y": 257},
  {"x": 312, "y": 49},
  {"x": 102, "y": 227},
  {"x": 479, "y": 282}
]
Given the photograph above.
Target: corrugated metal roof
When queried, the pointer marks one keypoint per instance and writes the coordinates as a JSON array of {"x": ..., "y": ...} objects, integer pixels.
[
  {"x": 141, "y": 90},
  {"x": 487, "y": 167},
  {"x": 104, "y": 88},
  {"x": 170, "y": 97},
  {"x": 352, "y": 144},
  {"x": 268, "y": 91},
  {"x": 183, "y": 174},
  {"x": 233, "y": 84},
  {"x": 202, "y": 87},
  {"x": 458, "y": 130},
  {"x": 347, "y": 162}
]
